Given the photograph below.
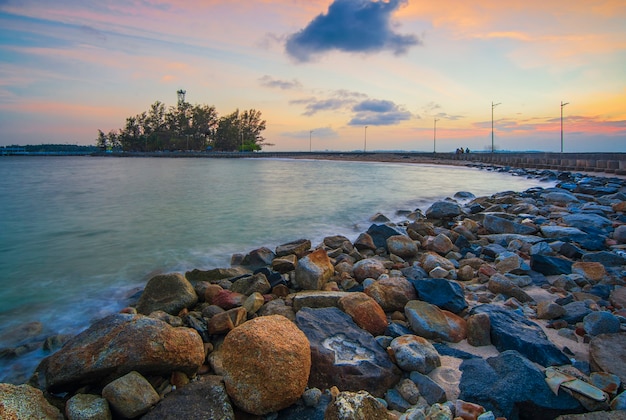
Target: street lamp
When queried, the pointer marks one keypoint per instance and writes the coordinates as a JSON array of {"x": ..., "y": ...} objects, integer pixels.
[
  {"x": 492, "y": 107},
  {"x": 365, "y": 141},
  {"x": 310, "y": 133},
  {"x": 435, "y": 136},
  {"x": 562, "y": 105}
]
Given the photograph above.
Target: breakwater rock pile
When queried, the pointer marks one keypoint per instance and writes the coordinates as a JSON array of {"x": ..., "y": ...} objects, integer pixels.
[{"x": 509, "y": 306}]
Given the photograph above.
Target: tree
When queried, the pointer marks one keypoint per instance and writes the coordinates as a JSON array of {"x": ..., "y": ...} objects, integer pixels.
[{"x": 102, "y": 140}]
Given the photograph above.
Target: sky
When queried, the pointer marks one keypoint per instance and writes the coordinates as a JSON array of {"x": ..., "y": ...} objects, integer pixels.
[{"x": 344, "y": 75}]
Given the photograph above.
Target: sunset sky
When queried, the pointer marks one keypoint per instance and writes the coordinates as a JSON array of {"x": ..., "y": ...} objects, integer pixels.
[{"x": 320, "y": 70}]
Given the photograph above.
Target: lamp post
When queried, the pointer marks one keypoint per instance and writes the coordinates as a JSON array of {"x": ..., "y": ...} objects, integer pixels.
[
  {"x": 365, "y": 141},
  {"x": 562, "y": 105},
  {"x": 435, "y": 136},
  {"x": 492, "y": 107},
  {"x": 310, "y": 134}
]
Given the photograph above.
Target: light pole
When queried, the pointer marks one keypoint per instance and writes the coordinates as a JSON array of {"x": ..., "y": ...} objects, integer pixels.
[
  {"x": 310, "y": 134},
  {"x": 435, "y": 136},
  {"x": 562, "y": 105},
  {"x": 365, "y": 141},
  {"x": 492, "y": 107}
]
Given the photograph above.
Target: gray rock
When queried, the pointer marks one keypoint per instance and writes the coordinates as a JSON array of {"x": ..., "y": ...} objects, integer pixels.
[
  {"x": 368, "y": 268},
  {"x": 512, "y": 331},
  {"x": 130, "y": 395},
  {"x": 429, "y": 321},
  {"x": 402, "y": 246},
  {"x": 443, "y": 210},
  {"x": 575, "y": 311},
  {"x": 87, "y": 407},
  {"x": 560, "y": 197},
  {"x": 314, "y": 270},
  {"x": 170, "y": 293},
  {"x": 204, "y": 398},
  {"x": 606, "y": 354},
  {"x": 261, "y": 257},
  {"x": 555, "y": 232},
  {"x": 429, "y": 389},
  {"x": 251, "y": 284},
  {"x": 299, "y": 248},
  {"x": 619, "y": 234},
  {"x": 601, "y": 322},
  {"x": 497, "y": 225},
  {"x": 344, "y": 355},
  {"x": 446, "y": 294},
  {"x": 550, "y": 266},
  {"x": 607, "y": 258},
  {"x": 413, "y": 353},
  {"x": 380, "y": 234},
  {"x": 583, "y": 221},
  {"x": 395, "y": 401},
  {"x": 511, "y": 386}
]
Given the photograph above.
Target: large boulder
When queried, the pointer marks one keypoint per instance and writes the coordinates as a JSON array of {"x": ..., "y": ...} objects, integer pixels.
[
  {"x": 402, "y": 246},
  {"x": 550, "y": 266},
  {"x": 443, "y": 210},
  {"x": 391, "y": 293},
  {"x": 368, "y": 268},
  {"x": 446, "y": 294},
  {"x": 170, "y": 293},
  {"x": 345, "y": 355},
  {"x": 266, "y": 363},
  {"x": 365, "y": 312},
  {"x": 495, "y": 224},
  {"x": 380, "y": 234},
  {"x": 512, "y": 331},
  {"x": 429, "y": 321},
  {"x": 314, "y": 270},
  {"x": 119, "y": 344},
  {"x": 204, "y": 398},
  {"x": 25, "y": 402},
  {"x": 511, "y": 386},
  {"x": 606, "y": 354}
]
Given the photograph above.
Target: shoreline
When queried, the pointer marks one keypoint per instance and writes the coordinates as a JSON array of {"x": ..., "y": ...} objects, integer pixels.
[{"x": 490, "y": 281}]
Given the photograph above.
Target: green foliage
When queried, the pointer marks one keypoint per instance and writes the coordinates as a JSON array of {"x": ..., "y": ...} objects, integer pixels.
[{"x": 186, "y": 127}]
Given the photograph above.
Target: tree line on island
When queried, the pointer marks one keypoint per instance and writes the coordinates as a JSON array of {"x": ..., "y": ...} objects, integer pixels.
[{"x": 187, "y": 127}]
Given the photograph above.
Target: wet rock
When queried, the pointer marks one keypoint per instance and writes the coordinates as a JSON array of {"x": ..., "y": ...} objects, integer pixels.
[
  {"x": 256, "y": 283},
  {"x": 402, "y": 246},
  {"x": 130, "y": 395},
  {"x": 443, "y": 210},
  {"x": 429, "y": 389},
  {"x": 25, "y": 402},
  {"x": 430, "y": 260},
  {"x": 512, "y": 331},
  {"x": 446, "y": 294},
  {"x": 345, "y": 355},
  {"x": 170, "y": 293},
  {"x": 214, "y": 275},
  {"x": 204, "y": 398},
  {"x": 391, "y": 293},
  {"x": 285, "y": 264},
  {"x": 258, "y": 258},
  {"x": 606, "y": 354},
  {"x": 355, "y": 405},
  {"x": 314, "y": 271},
  {"x": 365, "y": 312},
  {"x": 380, "y": 234},
  {"x": 601, "y": 322},
  {"x": 368, "y": 268},
  {"x": 413, "y": 353},
  {"x": 511, "y": 386},
  {"x": 429, "y": 321},
  {"x": 298, "y": 248},
  {"x": 119, "y": 344},
  {"x": 479, "y": 330},
  {"x": 550, "y": 266},
  {"x": 266, "y": 364},
  {"x": 364, "y": 242},
  {"x": 440, "y": 244},
  {"x": 87, "y": 407},
  {"x": 495, "y": 224}
]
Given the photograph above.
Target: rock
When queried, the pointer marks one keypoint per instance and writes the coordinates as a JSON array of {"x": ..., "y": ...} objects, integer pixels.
[
  {"x": 500, "y": 284},
  {"x": 512, "y": 331},
  {"x": 438, "y": 273},
  {"x": 446, "y": 294},
  {"x": 467, "y": 410},
  {"x": 337, "y": 241},
  {"x": 601, "y": 322},
  {"x": 364, "y": 242},
  {"x": 593, "y": 271},
  {"x": 285, "y": 264},
  {"x": 428, "y": 388},
  {"x": 391, "y": 293},
  {"x": 130, "y": 395},
  {"x": 512, "y": 387},
  {"x": 511, "y": 264},
  {"x": 355, "y": 406},
  {"x": 368, "y": 268},
  {"x": 170, "y": 293},
  {"x": 557, "y": 232},
  {"x": 214, "y": 275},
  {"x": 575, "y": 312},
  {"x": 549, "y": 310},
  {"x": 607, "y": 259},
  {"x": 345, "y": 355},
  {"x": 440, "y": 244},
  {"x": 223, "y": 322},
  {"x": 465, "y": 273},
  {"x": 619, "y": 403},
  {"x": 298, "y": 248},
  {"x": 594, "y": 415},
  {"x": 431, "y": 260},
  {"x": 584, "y": 221},
  {"x": 253, "y": 303},
  {"x": 606, "y": 354},
  {"x": 619, "y": 234},
  {"x": 464, "y": 195},
  {"x": 429, "y": 321},
  {"x": 25, "y": 402},
  {"x": 314, "y": 270},
  {"x": 495, "y": 224},
  {"x": 413, "y": 353},
  {"x": 443, "y": 210},
  {"x": 266, "y": 364},
  {"x": 261, "y": 257},
  {"x": 560, "y": 197},
  {"x": 479, "y": 330},
  {"x": 204, "y": 398},
  {"x": 380, "y": 234},
  {"x": 87, "y": 407},
  {"x": 256, "y": 283},
  {"x": 408, "y": 390},
  {"x": 317, "y": 299},
  {"x": 365, "y": 312},
  {"x": 119, "y": 344},
  {"x": 439, "y": 412},
  {"x": 226, "y": 299},
  {"x": 278, "y": 307},
  {"x": 395, "y": 401},
  {"x": 402, "y": 246},
  {"x": 607, "y": 382},
  {"x": 618, "y": 297},
  {"x": 550, "y": 266}
]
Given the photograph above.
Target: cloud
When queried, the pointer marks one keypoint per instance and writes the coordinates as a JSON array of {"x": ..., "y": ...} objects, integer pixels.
[
  {"x": 325, "y": 132},
  {"x": 339, "y": 99},
  {"x": 378, "y": 112},
  {"x": 359, "y": 26},
  {"x": 430, "y": 108},
  {"x": 269, "y": 81}
]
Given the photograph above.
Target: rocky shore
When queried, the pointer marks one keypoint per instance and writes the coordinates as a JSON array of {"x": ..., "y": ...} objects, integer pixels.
[{"x": 509, "y": 306}]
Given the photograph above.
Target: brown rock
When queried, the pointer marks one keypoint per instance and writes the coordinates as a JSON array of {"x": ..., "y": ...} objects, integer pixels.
[
  {"x": 355, "y": 406},
  {"x": 278, "y": 307},
  {"x": 440, "y": 244},
  {"x": 479, "y": 330},
  {"x": 251, "y": 284},
  {"x": 317, "y": 299},
  {"x": 365, "y": 312},
  {"x": 467, "y": 410},
  {"x": 392, "y": 293},
  {"x": 314, "y": 271},
  {"x": 298, "y": 248},
  {"x": 368, "y": 268},
  {"x": 618, "y": 297},
  {"x": 606, "y": 354},
  {"x": 429, "y": 321},
  {"x": 266, "y": 364},
  {"x": 285, "y": 264},
  {"x": 465, "y": 273},
  {"x": 167, "y": 292},
  {"x": 225, "y": 321},
  {"x": 500, "y": 284},
  {"x": 549, "y": 310},
  {"x": 226, "y": 299},
  {"x": 430, "y": 260},
  {"x": 402, "y": 246},
  {"x": 19, "y": 402},
  {"x": 118, "y": 344},
  {"x": 130, "y": 395},
  {"x": 619, "y": 207},
  {"x": 364, "y": 242},
  {"x": 593, "y": 271}
]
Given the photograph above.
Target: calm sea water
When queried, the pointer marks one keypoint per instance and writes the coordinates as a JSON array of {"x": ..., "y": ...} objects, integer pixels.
[{"x": 80, "y": 234}]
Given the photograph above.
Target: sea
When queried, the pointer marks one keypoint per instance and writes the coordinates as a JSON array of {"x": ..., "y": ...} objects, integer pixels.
[{"x": 80, "y": 235}]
